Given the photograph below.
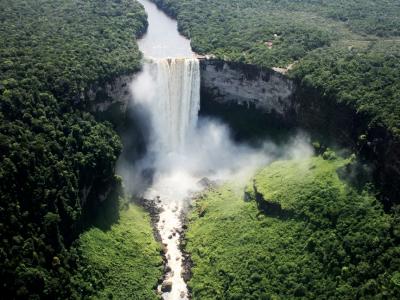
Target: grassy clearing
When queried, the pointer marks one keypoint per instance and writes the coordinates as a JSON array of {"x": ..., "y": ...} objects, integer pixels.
[
  {"x": 288, "y": 182},
  {"x": 125, "y": 260},
  {"x": 326, "y": 241}
]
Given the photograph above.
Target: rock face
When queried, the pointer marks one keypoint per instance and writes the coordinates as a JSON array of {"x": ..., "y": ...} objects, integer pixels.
[
  {"x": 247, "y": 85},
  {"x": 109, "y": 100},
  {"x": 253, "y": 100}
]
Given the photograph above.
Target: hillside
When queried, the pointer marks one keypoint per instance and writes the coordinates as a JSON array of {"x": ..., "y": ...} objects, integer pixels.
[
  {"x": 124, "y": 262},
  {"x": 298, "y": 231}
]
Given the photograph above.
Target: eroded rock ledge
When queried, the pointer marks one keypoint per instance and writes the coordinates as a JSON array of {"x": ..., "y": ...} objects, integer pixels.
[
  {"x": 109, "y": 100},
  {"x": 248, "y": 85}
]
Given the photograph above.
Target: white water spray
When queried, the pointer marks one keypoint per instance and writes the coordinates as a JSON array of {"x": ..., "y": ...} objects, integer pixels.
[{"x": 183, "y": 149}]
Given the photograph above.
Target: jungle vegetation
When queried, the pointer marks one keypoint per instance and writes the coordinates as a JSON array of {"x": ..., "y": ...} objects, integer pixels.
[
  {"x": 57, "y": 161},
  {"x": 296, "y": 231},
  {"x": 348, "y": 50},
  {"x": 123, "y": 262}
]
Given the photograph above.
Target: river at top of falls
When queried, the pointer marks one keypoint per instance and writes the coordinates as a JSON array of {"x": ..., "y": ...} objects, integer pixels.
[{"x": 162, "y": 38}]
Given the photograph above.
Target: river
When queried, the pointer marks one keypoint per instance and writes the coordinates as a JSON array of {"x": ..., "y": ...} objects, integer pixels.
[
  {"x": 162, "y": 38},
  {"x": 169, "y": 88}
]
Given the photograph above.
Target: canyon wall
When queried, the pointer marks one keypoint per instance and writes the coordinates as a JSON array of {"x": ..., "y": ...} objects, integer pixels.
[
  {"x": 109, "y": 100},
  {"x": 247, "y": 85},
  {"x": 257, "y": 102}
]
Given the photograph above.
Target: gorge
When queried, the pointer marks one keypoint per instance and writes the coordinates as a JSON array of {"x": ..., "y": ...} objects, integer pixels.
[
  {"x": 163, "y": 149},
  {"x": 183, "y": 151},
  {"x": 172, "y": 89},
  {"x": 268, "y": 99}
]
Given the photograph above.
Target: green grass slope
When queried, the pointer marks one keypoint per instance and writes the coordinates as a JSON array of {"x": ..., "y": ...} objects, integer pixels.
[
  {"x": 302, "y": 233},
  {"x": 124, "y": 262}
]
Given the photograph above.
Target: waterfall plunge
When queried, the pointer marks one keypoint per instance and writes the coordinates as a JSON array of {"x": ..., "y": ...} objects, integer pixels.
[
  {"x": 181, "y": 149},
  {"x": 173, "y": 102},
  {"x": 169, "y": 91}
]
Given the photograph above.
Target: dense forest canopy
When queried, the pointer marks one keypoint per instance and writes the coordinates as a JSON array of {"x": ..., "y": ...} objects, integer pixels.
[
  {"x": 56, "y": 160},
  {"x": 354, "y": 44}
]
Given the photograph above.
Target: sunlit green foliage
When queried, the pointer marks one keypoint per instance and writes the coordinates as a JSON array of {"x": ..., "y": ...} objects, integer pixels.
[
  {"x": 123, "y": 262},
  {"x": 240, "y": 30},
  {"x": 299, "y": 232},
  {"x": 57, "y": 162}
]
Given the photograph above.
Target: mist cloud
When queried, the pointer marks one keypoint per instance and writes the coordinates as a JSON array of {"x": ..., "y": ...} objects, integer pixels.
[{"x": 209, "y": 151}]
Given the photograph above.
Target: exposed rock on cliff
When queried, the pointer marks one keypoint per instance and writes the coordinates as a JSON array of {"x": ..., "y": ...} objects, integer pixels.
[
  {"x": 247, "y": 85},
  {"x": 253, "y": 101},
  {"x": 109, "y": 100}
]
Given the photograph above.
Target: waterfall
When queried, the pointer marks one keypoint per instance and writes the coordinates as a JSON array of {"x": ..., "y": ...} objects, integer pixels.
[
  {"x": 174, "y": 102},
  {"x": 169, "y": 92}
]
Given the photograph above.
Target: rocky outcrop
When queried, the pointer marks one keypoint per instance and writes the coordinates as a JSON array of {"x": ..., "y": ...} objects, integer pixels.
[
  {"x": 266, "y": 206},
  {"x": 247, "y": 85},
  {"x": 166, "y": 286},
  {"x": 109, "y": 99}
]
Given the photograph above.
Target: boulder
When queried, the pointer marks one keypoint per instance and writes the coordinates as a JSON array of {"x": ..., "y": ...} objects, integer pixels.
[
  {"x": 166, "y": 286},
  {"x": 205, "y": 182}
]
